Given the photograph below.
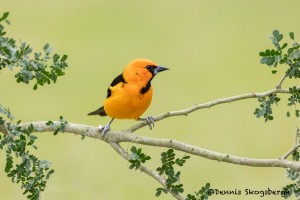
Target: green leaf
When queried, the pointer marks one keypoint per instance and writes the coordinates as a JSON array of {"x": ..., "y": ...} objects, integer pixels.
[
  {"x": 270, "y": 61},
  {"x": 207, "y": 186},
  {"x": 133, "y": 149},
  {"x": 263, "y": 60},
  {"x": 64, "y": 58},
  {"x": 297, "y": 113},
  {"x": 158, "y": 193},
  {"x": 284, "y": 45},
  {"x": 4, "y": 16},
  {"x": 262, "y": 54},
  {"x": 49, "y": 123},
  {"x": 291, "y": 34},
  {"x": 290, "y": 50},
  {"x": 277, "y": 35}
]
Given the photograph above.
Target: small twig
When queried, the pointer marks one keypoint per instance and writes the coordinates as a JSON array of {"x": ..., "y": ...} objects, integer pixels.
[
  {"x": 296, "y": 136},
  {"x": 294, "y": 148},
  {"x": 278, "y": 85},
  {"x": 3, "y": 129},
  {"x": 285, "y": 156}
]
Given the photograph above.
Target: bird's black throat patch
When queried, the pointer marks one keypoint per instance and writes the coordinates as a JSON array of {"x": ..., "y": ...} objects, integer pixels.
[
  {"x": 118, "y": 79},
  {"x": 146, "y": 88}
]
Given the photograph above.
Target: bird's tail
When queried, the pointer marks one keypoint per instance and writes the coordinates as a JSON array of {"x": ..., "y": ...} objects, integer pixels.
[{"x": 99, "y": 111}]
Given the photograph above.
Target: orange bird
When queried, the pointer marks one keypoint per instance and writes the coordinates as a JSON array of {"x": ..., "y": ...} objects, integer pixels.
[{"x": 130, "y": 93}]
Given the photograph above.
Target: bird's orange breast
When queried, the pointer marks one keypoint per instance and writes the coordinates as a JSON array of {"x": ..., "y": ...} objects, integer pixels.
[{"x": 127, "y": 101}]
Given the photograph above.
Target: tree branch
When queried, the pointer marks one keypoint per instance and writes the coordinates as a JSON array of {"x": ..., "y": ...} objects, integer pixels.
[
  {"x": 144, "y": 169},
  {"x": 210, "y": 104},
  {"x": 294, "y": 148},
  {"x": 114, "y": 138},
  {"x": 3, "y": 129},
  {"x": 278, "y": 85},
  {"x": 117, "y": 137}
]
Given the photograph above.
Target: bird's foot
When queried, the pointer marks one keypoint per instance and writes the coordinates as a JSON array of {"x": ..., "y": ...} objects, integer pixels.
[
  {"x": 104, "y": 130},
  {"x": 150, "y": 121}
]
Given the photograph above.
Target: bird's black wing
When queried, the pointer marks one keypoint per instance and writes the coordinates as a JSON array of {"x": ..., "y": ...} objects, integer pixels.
[{"x": 118, "y": 79}]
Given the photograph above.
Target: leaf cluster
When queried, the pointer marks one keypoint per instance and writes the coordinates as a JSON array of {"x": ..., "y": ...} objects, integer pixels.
[
  {"x": 43, "y": 67},
  {"x": 168, "y": 161},
  {"x": 22, "y": 166},
  {"x": 265, "y": 109},
  {"x": 58, "y": 128},
  {"x": 293, "y": 188},
  {"x": 293, "y": 100},
  {"x": 202, "y": 194},
  {"x": 137, "y": 158},
  {"x": 281, "y": 54}
]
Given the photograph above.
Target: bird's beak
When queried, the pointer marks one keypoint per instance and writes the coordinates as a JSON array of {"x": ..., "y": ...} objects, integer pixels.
[{"x": 159, "y": 69}]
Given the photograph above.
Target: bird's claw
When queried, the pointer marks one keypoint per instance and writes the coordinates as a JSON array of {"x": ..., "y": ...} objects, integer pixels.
[
  {"x": 150, "y": 122},
  {"x": 104, "y": 130}
]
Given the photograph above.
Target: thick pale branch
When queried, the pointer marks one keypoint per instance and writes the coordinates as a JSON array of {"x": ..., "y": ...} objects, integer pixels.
[
  {"x": 114, "y": 138},
  {"x": 117, "y": 137},
  {"x": 93, "y": 132},
  {"x": 168, "y": 143},
  {"x": 78, "y": 129},
  {"x": 210, "y": 104}
]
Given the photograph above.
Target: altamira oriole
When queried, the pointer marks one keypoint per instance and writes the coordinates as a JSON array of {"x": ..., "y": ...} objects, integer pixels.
[{"x": 130, "y": 93}]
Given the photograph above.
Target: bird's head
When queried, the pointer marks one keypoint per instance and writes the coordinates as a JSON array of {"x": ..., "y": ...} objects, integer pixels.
[{"x": 142, "y": 70}]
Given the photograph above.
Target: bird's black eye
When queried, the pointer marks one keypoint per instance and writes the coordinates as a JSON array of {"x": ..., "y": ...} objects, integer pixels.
[{"x": 151, "y": 68}]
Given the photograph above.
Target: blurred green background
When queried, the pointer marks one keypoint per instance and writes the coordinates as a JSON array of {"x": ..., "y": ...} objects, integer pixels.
[{"x": 212, "y": 49}]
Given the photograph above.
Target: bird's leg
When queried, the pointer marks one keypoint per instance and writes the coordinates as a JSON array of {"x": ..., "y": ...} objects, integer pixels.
[
  {"x": 106, "y": 128},
  {"x": 149, "y": 120}
]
